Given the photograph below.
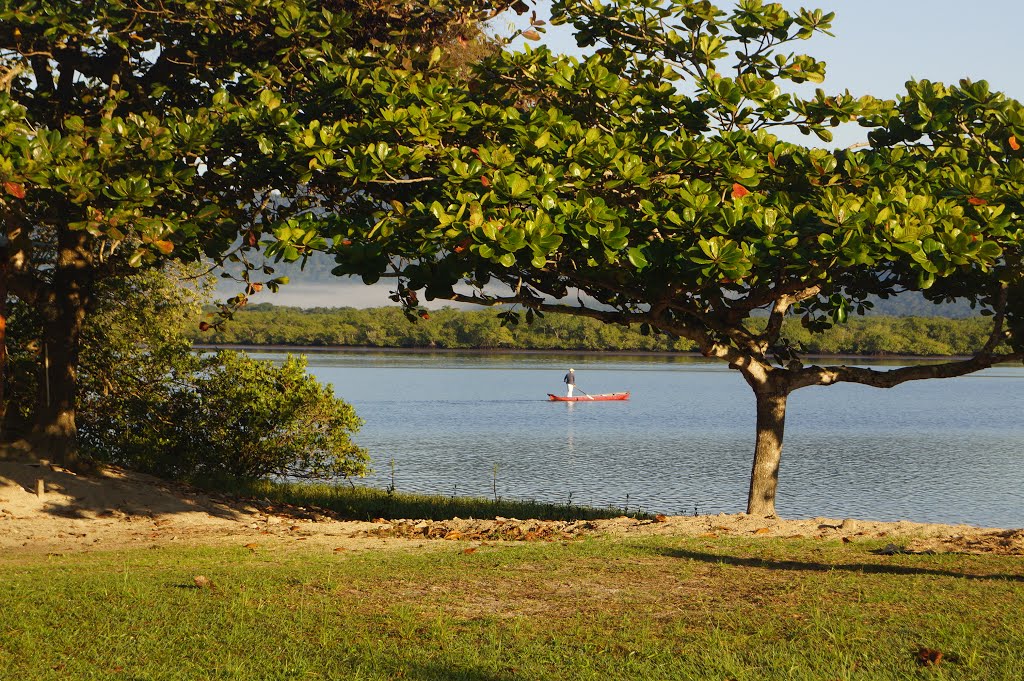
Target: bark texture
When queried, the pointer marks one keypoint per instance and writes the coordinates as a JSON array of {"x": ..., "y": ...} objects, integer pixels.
[
  {"x": 764, "y": 475},
  {"x": 55, "y": 434}
]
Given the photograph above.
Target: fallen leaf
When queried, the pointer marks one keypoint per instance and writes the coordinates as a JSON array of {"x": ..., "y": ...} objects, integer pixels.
[
  {"x": 251, "y": 546},
  {"x": 762, "y": 530},
  {"x": 709, "y": 535},
  {"x": 339, "y": 549},
  {"x": 471, "y": 549},
  {"x": 660, "y": 518},
  {"x": 847, "y": 540},
  {"x": 203, "y": 582},
  {"x": 927, "y": 657},
  {"x": 294, "y": 528},
  {"x": 454, "y": 534}
]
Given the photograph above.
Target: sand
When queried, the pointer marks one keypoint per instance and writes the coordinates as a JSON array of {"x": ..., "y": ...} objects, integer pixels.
[{"x": 117, "y": 509}]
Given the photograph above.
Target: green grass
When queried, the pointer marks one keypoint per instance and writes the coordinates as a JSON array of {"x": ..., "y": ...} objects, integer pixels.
[
  {"x": 651, "y": 608},
  {"x": 366, "y": 503}
]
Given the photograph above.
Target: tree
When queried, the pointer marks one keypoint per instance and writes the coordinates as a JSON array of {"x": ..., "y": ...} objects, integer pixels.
[
  {"x": 133, "y": 135},
  {"x": 147, "y": 401},
  {"x": 648, "y": 184}
]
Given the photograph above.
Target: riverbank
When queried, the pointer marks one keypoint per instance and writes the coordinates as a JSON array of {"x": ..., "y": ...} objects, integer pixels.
[
  {"x": 118, "y": 510},
  {"x": 526, "y": 352},
  {"x": 489, "y": 329}
]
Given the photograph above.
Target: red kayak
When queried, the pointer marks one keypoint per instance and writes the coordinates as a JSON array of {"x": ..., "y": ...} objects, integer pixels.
[{"x": 589, "y": 398}]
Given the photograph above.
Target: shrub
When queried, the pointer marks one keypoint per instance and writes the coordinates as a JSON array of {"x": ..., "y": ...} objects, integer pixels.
[{"x": 233, "y": 416}]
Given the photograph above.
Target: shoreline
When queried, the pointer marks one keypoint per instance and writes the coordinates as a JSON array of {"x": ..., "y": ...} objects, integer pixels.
[
  {"x": 120, "y": 509},
  {"x": 366, "y": 349}
]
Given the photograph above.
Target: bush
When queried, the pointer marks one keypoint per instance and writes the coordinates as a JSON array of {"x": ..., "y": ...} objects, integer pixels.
[
  {"x": 230, "y": 415},
  {"x": 148, "y": 402}
]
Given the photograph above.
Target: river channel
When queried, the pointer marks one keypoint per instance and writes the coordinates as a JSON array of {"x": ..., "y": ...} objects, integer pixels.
[{"x": 478, "y": 424}]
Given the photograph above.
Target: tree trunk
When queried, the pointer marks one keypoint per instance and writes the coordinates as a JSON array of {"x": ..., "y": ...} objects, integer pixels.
[
  {"x": 55, "y": 434},
  {"x": 3, "y": 345},
  {"x": 764, "y": 476}
]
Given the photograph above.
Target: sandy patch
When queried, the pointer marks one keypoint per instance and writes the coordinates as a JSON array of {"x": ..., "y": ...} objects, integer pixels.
[{"x": 121, "y": 509}]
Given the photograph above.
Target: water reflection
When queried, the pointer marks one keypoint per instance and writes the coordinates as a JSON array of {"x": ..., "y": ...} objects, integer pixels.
[{"x": 570, "y": 440}]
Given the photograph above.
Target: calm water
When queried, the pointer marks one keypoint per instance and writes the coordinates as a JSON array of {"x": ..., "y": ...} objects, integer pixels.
[{"x": 935, "y": 451}]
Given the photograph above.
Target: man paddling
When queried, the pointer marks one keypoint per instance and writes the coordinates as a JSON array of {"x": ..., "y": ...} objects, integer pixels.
[{"x": 570, "y": 382}]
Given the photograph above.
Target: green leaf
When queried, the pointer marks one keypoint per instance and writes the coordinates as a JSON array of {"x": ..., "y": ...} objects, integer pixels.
[{"x": 637, "y": 258}]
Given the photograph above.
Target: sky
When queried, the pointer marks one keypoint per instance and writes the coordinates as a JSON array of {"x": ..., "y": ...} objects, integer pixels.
[{"x": 878, "y": 46}]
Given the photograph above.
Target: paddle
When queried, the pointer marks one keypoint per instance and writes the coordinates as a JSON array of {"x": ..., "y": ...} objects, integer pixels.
[{"x": 587, "y": 396}]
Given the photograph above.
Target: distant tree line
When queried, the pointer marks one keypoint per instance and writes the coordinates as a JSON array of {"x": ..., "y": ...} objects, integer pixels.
[{"x": 449, "y": 328}]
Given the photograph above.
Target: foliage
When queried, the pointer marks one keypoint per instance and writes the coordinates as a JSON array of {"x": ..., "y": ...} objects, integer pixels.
[
  {"x": 649, "y": 184},
  {"x": 135, "y": 134},
  {"x": 235, "y": 417},
  {"x": 452, "y": 329},
  {"x": 148, "y": 402}
]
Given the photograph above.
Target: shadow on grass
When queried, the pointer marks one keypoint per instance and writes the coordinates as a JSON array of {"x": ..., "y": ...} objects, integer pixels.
[{"x": 797, "y": 565}]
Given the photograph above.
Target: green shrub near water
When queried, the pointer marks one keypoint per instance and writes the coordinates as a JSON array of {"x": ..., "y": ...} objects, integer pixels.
[
  {"x": 228, "y": 415},
  {"x": 148, "y": 402}
]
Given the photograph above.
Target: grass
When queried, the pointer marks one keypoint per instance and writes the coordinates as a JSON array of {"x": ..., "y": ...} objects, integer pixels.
[
  {"x": 649, "y": 608},
  {"x": 366, "y": 503}
]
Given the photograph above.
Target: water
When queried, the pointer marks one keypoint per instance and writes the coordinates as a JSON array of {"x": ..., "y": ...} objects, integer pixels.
[{"x": 473, "y": 425}]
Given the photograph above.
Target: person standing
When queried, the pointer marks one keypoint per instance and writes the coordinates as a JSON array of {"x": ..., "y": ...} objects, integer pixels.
[{"x": 570, "y": 382}]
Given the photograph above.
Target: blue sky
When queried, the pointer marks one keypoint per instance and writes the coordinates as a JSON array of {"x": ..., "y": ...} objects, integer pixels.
[{"x": 878, "y": 46}]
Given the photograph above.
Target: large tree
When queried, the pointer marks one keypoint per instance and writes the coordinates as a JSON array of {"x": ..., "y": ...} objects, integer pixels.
[
  {"x": 655, "y": 183},
  {"x": 133, "y": 133}
]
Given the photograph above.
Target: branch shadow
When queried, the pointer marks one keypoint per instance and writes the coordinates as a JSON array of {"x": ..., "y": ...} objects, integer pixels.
[
  {"x": 795, "y": 565},
  {"x": 105, "y": 493}
]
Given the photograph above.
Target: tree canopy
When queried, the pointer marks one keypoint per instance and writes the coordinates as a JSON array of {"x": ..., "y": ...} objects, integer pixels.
[
  {"x": 654, "y": 182},
  {"x": 133, "y": 134}
]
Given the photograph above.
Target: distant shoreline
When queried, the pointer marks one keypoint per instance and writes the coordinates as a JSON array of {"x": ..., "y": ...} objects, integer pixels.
[{"x": 529, "y": 351}]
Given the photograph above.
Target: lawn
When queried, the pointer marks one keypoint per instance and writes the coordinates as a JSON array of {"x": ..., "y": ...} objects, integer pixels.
[{"x": 647, "y": 608}]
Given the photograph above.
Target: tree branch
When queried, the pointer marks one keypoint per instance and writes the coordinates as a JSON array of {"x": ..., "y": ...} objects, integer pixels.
[{"x": 816, "y": 375}]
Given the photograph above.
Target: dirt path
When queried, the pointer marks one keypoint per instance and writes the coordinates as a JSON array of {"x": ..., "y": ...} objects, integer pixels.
[{"x": 120, "y": 509}]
